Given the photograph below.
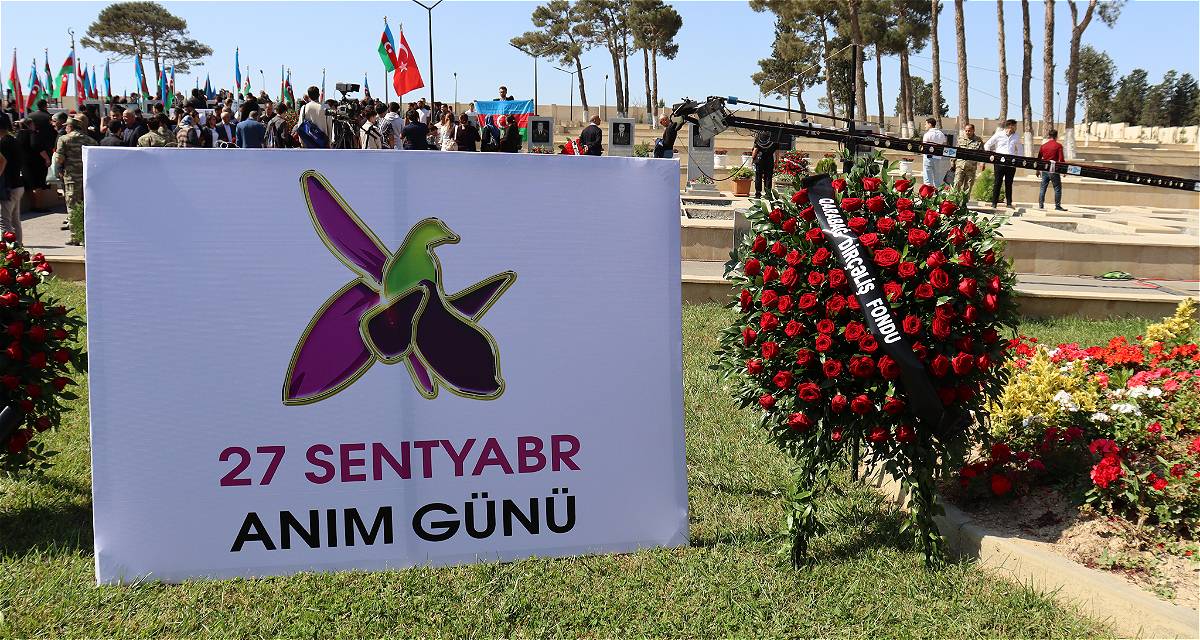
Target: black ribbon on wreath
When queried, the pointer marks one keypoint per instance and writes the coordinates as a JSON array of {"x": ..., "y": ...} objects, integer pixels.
[
  {"x": 11, "y": 419},
  {"x": 880, "y": 319}
]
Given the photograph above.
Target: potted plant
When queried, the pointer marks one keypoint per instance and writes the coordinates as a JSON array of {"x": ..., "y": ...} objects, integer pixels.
[
  {"x": 719, "y": 157},
  {"x": 906, "y": 166},
  {"x": 741, "y": 177},
  {"x": 746, "y": 156}
]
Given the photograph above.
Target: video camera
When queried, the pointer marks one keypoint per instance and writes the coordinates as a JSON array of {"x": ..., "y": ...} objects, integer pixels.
[{"x": 348, "y": 108}]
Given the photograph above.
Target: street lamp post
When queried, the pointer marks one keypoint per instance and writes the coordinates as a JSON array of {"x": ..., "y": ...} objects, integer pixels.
[
  {"x": 571, "y": 113},
  {"x": 429, "y": 10},
  {"x": 264, "y": 79},
  {"x": 535, "y": 81},
  {"x": 455, "y": 92},
  {"x": 606, "y": 97}
]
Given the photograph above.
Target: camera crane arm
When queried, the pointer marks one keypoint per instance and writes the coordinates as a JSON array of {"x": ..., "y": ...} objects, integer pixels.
[{"x": 713, "y": 117}]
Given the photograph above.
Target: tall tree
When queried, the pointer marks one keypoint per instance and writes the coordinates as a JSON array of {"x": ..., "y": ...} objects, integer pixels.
[
  {"x": 1003, "y": 61},
  {"x": 843, "y": 78},
  {"x": 783, "y": 74},
  {"x": 1154, "y": 108},
  {"x": 564, "y": 35},
  {"x": 145, "y": 30},
  {"x": 1097, "y": 83},
  {"x": 1181, "y": 105},
  {"x": 1026, "y": 78},
  {"x": 654, "y": 26},
  {"x": 1108, "y": 12},
  {"x": 610, "y": 29},
  {"x": 923, "y": 99},
  {"x": 936, "y": 57},
  {"x": 960, "y": 37},
  {"x": 1048, "y": 71},
  {"x": 1131, "y": 97},
  {"x": 914, "y": 21},
  {"x": 857, "y": 56},
  {"x": 879, "y": 30},
  {"x": 813, "y": 19}
]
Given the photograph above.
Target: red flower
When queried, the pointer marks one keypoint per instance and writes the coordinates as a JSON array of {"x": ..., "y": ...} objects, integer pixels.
[
  {"x": 906, "y": 216},
  {"x": 885, "y": 225},
  {"x": 816, "y": 278},
  {"x": 901, "y": 186},
  {"x": 926, "y": 190},
  {"x": 5, "y": 277},
  {"x": 940, "y": 365},
  {"x": 799, "y": 422},
  {"x": 870, "y": 184},
  {"x": 768, "y": 298},
  {"x": 939, "y": 279},
  {"x": 947, "y": 396},
  {"x": 42, "y": 424},
  {"x": 783, "y": 379},
  {"x": 38, "y": 360},
  {"x": 836, "y": 435},
  {"x": 794, "y": 258},
  {"x": 869, "y": 239},
  {"x": 26, "y": 279},
  {"x": 748, "y": 336},
  {"x": 862, "y": 405},
  {"x": 789, "y": 277},
  {"x": 807, "y": 301},
  {"x": 18, "y": 441},
  {"x": 793, "y": 329},
  {"x": 770, "y": 274},
  {"x": 770, "y": 350},
  {"x": 835, "y": 306},
  {"x": 905, "y": 433},
  {"x": 746, "y": 299},
  {"x": 964, "y": 392},
  {"x": 858, "y": 225},
  {"x": 821, "y": 256},
  {"x": 11, "y": 381},
  {"x": 768, "y": 321},
  {"x": 839, "y": 403},
  {"x": 59, "y": 334},
  {"x": 862, "y": 367},
  {"x": 1159, "y": 483},
  {"x": 832, "y": 368},
  {"x": 888, "y": 368},
  {"x": 754, "y": 367},
  {"x": 957, "y": 236},
  {"x": 751, "y": 269},
  {"x": 804, "y": 357},
  {"x": 823, "y": 343},
  {"x": 34, "y": 391},
  {"x": 826, "y": 326},
  {"x": 936, "y": 259},
  {"x": 876, "y": 205},
  {"x": 1178, "y": 471},
  {"x": 837, "y": 279},
  {"x": 1000, "y": 484},
  {"x": 789, "y": 225},
  {"x": 967, "y": 259},
  {"x": 970, "y": 314},
  {"x": 924, "y": 291},
  {"x": 912, "y": 325},
  {"x": 962, "y": 363},
  {"x": 964, "y": 343},
  {"x": 807, "y": 214},
  {"x": 868, "y": 344},
  {"x": 893, "y": 405},
  {"x": 9, "y": 299},
  {"x": 878, "y": 435},
  {"x": 948, "y": 207},
  {"x": 945, "y": 312},
  {"x": 990, "y": 258},
  {"x": 809, "y": 392},
  {"x": 990, "y": 303},
  {"x": 855, "y": 331},
  {"x": 14, "y": 351},
  {"x": 906, "y": 269},
  {"x": 37, "y": 309},
  {"x": 887, "y": 258},
  {"x": 767, "y": 401},
  {"x": 1107, "y": 470},
  {"x": 814, "y": 235},
  {"x": 851, "y": 204},
  {"x": 16, "y": 329},
  {"x": 27, "y": 405},
  {"x": 983, "y": 362},
  {"x": 839, "y": 185},
  {"x": 931, "y": 218},
  {"x": 941, "y": 328},
  {"x": 993, "y": 285},
  {"x": 778, "y": 249},
  {"x": 920, "y": 350},
  {"x": 971, "y": 229},
  {"x": 775, "y": 216},
  {"x": 893, "y": 290},
  {"x": 800, "y": 197},
  {"x": 917, "y": 237}
]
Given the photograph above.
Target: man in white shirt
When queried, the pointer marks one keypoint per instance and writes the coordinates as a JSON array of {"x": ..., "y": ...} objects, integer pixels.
[
  {"x": 315, "y": 110},
  {"x": 932, "y": 172},
  {"x": 390, "y": 127},
  {"x": 423, "y": 112},
  {"x": 1008, "y": 142}
]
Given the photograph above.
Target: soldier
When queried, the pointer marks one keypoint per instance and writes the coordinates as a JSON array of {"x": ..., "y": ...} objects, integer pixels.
[
  {"x": 964, "y": 177},
  {"x": 159, "y": 134},
  {"x": 69, "y": 157}
]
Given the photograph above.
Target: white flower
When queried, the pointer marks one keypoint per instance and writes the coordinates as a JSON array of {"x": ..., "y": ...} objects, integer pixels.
[
  {"x": 1062, "y": 397},
  {"x": 1127, "y": 408},
  {"x": 1150, "y": 392},
  {"x": 1100, "y": 417},
  {"x": 1035, "y": 419}
]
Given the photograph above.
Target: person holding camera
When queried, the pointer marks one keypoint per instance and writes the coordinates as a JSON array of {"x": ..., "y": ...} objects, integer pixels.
[{"x": 316, "y": 112}]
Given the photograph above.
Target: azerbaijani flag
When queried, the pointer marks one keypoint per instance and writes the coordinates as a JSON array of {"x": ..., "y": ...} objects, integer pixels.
[
  {"x": 36, "y": 90},
  {"x": 14, "y": 84},
  {"x": 366, "y": 89},
  {"x": 51, "y": 88},
  {"x": 246, "y": 91},
  {"x": 82, "y": 77},
  {"x": 107, "y": 82},
  {"x": 141, "y": 77},
  {"x": 68, "y": 67},
  {"x": 387, "y": 48},
  {"x": 287, "y": 89},
  {"x": 237, "y": 68},
  {"x": 208, "y": 90},
  {"x": 520, "y": 109},
  {"x": 95, "y": 91}
]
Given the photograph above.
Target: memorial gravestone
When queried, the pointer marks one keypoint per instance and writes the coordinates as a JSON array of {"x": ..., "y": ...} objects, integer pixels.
[{"x": 620, "y": 137}]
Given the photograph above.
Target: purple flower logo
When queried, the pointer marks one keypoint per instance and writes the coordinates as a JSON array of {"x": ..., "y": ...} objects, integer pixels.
[{"x": 394, "y": 311}]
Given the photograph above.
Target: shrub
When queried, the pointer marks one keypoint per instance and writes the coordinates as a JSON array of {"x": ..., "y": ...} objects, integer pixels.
[
  {"x": 77, "y": 223},
  {"x": 983, "y": 185}
]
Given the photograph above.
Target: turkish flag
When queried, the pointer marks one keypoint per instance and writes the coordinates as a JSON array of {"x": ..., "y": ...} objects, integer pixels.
[{"x": 406, "y": 77}]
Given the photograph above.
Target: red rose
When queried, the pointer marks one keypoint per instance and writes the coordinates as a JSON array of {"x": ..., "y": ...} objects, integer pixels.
[
  {"x": 971, "y": 229},
  {"x": 793, "y": 258},
  {"x": 770, "y": 350},
  {"x": 970, "y": 314},
  {"x": 751, "y": 269},
  {"x": 37, "y": 360},
  {"x": 920, "y": 350},
  {"x": 870, "y": 184},
  {"x": 814, "y": 235},
  {"x": 789, "y": 225},
  {"x": 5, "y": 277},
  {"x": 940, "y": 364},
  {"x": 990, "y": 303},
  {"x": 863, "y": 367},
  {"x": 887, "y": 258},
  {"x": 26, "y": 279},
  {"x": 837, "y": 279},
  {"x": 888, "y": 368},
  {"x": 775, "y": 216},
  {"x": 862, "y": 405},
  {"x": 904, "y": 204},
  {"x": 876, "y": 204},
  {"x": 852, "y": 302},
  {"x": 855, "y": 331},
  {"x": 906, "y": 216},
  {"x": 746, "y": 299},
  {"x": 11, "y": 381},
  {"x": 823, "y": 342},
  {"x": 14, "y": 351},
  {"x": 770, "y": 274},
  {"x": 838, "y": 403},
  {"x": 837, "y": 434},
  {"x": 926, "y": 190},
  {"x": 893, "y": 290},
  {"x": 17, "y": 442},
  {"x": 947, "y": 396},
  {"x": 948, "y": 207},
  {"x": 826, "y": 326},
  {"x": 990, "y": 258},
  {"x": 905, "y": 433},
  {"x": 939, "y": 279},
  {"x": 33, "y": 390},
  {"x": 957, "y": 236},
  {"x": 748, "y": 336},
  {"x": 807, "y": 214},
  {"x": 809, "y": 392},
  {"x": 767, "y": 401},
  {"x": 945, "y": 311},
  {"x": 941, "y": 328},
  {"x": 768, "y": 298},
  {"x": 924, "y": 291},
  {"x": 902, "y": 185},
  {"x": 783, "y": 379},
  {"x": 917, "y": 237},
  {"x": 893, "y": 405},
  {"x": 1000, "y": 484},
  {"x": 821, "y": 256},
  {"x": 878, "y": 435},
  {"x": 754, "y": 367},
  {"x": 789, "y": 277},
  {"x": 931, "y": 218},
  {"x": 800, "y": 197},
  {"x": 799, "y": 422},
  {"x": 885, "y": 225},
  {"x": 804, "y": 357},
  {"x": 964, "y": 392},
  {"x": 967, "y": 287},
  {"x": 832, "y": 368},
  {"x": 816, "y": 278},
  {"x": 835, "y": 306},
  {"x": 59, "y": 334},
  {"x": 983, "y": 362},
  {"x": 963, "y": 362},
  {"x": 964, "y": 343},
  {"x": 807, "y": 301},
  {"x": 851, "y": 204},
  {"x": 868, "y": 344},
  {"x": 993, "y": 285},
  {"x": 839, "y": 185},
  {"x": 907, "y": 269},
  {"x": 42, "y": 424},
  {"x": 778, "y": 249},
  {"x": 16, "y": 329},
  {"x": 967, "y": 259},
  {"x": 869, "y": 239},
  {"x": 9, "y": 299},
  {"x": 990, "y": 336},
  {"x": 27, "y": 405},
  {"x": 768, "y": 321},
  {"x": 15, "y": 258},
  {"x": 785, "y": 302},
  {"x": 858, "y": 225},
  {"x": 793, "y": 328},
  {"x": 45, "y": 268}
]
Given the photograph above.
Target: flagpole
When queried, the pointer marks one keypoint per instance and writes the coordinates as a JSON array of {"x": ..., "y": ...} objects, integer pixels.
[
  {"x": 400, "y": 96},
  {"x": 385, "y": 78},
  {"x": 74, "y": 69}
]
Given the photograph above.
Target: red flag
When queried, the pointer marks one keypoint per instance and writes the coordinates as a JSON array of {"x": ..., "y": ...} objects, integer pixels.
[
  {"x": 406, "y": 77},
  {"x": 14, "y": 81}
]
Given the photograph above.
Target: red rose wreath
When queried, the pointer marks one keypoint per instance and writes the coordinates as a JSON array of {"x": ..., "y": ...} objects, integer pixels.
[
  {"x": 899, "y": 382},
  {"x": 35, "y": 353}
]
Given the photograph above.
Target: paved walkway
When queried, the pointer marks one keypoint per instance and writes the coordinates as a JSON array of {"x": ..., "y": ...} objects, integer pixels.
[{"x": 44, "y": 234}]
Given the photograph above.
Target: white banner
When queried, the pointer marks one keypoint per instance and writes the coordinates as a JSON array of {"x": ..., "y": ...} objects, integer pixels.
[{"x": 329, "y": 360}]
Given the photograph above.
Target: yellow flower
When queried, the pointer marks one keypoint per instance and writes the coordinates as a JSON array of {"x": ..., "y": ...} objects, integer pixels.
[
  {"x": 1043, "y": 394},
  {"x": 1178, "y": 325}
]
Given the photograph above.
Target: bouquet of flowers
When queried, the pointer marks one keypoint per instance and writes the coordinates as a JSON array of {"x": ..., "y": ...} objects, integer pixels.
[
  {"x": 540, "y": 150},
  {"x": 870, "y": 318},
  {"x": 33, "y": 383}
]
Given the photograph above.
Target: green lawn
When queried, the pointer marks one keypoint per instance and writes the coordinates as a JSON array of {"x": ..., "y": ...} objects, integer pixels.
[{"x": 865, "y": 582}]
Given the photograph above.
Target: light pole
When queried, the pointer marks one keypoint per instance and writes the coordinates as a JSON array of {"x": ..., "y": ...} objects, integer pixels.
[
  {"x": 429, "y": 10},
  {"x": 606, "y": 97},
  {"x": 260, "y": 73},
  {"x": 455, "y": 92},
  {"x": 571, "y": 114},
  {"x": 535, "y": 82}
]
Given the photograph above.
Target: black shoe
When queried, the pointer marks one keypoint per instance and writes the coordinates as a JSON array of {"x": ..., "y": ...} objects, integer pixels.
[
  {"x": 73, "y": 243},
  {"x": 1059, "y": 209},
  {"x": 65, "y": 227},
  {"x": 1041, "y": 207}
]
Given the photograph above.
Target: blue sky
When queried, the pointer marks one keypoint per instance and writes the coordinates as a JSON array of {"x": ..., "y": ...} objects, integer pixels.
[{"x": 720, "y": 45}]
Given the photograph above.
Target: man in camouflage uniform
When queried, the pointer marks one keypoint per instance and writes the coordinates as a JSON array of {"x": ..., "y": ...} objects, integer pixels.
[
  {"x": 159, "y": 134},
  {"x": 964, "y": 177},
  {"x": 69, "y": 157}
]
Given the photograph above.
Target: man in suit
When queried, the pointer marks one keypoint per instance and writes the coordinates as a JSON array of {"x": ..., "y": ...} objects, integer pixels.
[
  {"x": 42, "y": 141},
  {"x": 250, "y": 132},
  {"x": 503, "y": 95},
  {"x": 592, "y": 138},
  {"x": 226, "y": 131},
  {"x": 135, "y": 127}
]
